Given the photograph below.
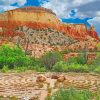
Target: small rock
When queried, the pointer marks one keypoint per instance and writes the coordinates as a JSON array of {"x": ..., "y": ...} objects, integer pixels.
[
  {"x": 54, "y": 77},
  {"x": 61, "y": 78},
  {"x": 41, "y": 78}
]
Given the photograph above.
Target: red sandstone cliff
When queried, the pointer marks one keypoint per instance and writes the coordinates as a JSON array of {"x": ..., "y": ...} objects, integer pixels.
[
  {"x": 38, "y": 30},
  {"x": 41, "y": 18}
]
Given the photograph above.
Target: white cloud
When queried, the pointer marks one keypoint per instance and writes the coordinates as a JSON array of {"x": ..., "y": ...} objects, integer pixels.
[
  {"x": 81, "y": 2},
  {"x": 98, "y": 13},
  {"x": 96, "y": 22},
  {"x": 9, "y": 2},
  {"x": 6, "y": 4},
  {"x": 85, "y": 8},
  {"x": 21, "y": 2},
  {"x": 5, "y": 8},
  {"x": 58, "y": 7},
  {"x": 63, "y": 7}
]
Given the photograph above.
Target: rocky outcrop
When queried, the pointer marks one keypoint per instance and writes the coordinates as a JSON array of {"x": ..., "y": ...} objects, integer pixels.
[
  {"x": 46, "y": 36},
  {"x": 41, "y": 18},
  {"x": 40, "y": 26}
]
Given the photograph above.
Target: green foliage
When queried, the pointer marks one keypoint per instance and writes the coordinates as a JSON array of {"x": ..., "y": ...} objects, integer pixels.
[
  {"x": 78, "y": 64},
  {"x": 15, "y": 59},
  {"x": 70, "y": 67},
  {"x": 71, "y": 94},
  {"x": 97, "y": 69},
  {"x": 4, "y": 69},
  {"x": 12, "y": 57},
  {"x": 98, "y": 46},
  {"x": 81, "y": 59},
  {"x": 60, "y": 67},
  {"x": 97, "y": 95},
  {"x": 38, "y": 68},
  {"x": 78, "y": 68},
  {"x": 73, "y": 64},
  {"x": 30, "y": 68},
  {"x": 72, "y": 60},
  {"x": 95, "y": 65},
  {"x": 50, "y": 59},
  {"x": 96, "y": 62},
  {"x": 35, "y": 61},
  {"x": 36, "y": 65},
  {"x": 77, "y": 60}
]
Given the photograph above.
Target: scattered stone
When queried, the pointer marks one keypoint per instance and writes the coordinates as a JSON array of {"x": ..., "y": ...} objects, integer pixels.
[
  {"x": 17, "y": 85},
  {"x": 61, "y": 78},
  {"x": 41, "y": 78},
  {"x": 54, "y": 76}
]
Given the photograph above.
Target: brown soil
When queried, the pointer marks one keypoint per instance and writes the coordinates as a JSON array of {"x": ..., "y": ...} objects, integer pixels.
[{"x": 24, "y": 86}]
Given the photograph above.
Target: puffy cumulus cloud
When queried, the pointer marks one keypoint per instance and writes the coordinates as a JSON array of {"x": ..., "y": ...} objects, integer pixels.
[
  {"x": 63, "y": 7},
  {"x": 98, "y": 13},
  {"x": 89, "y": 9},
  {"x": 96, "y": 22},
  {"x": 58, "y": 6},
  {"x": 7, "y": 7},
  {"x": 81, "y": 2},
  {"x": 6, "y": 4},
  {"x": 9, "y": 2},
  {"x": 73, "y": 9}
]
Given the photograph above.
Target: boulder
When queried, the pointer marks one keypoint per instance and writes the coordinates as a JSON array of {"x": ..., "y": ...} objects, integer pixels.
[
  {"x": 61, "y": 78},
  {"x": 41, "y": 78}
]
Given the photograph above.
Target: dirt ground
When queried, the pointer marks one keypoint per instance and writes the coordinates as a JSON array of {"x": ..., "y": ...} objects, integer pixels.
[{"x": 36, "y": 86}]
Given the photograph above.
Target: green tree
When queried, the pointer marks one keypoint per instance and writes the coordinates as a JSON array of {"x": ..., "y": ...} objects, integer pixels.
[{"x": 12, "y": 56}]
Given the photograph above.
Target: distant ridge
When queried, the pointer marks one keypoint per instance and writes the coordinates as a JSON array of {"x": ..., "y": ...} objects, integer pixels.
[{"x": 33, "y": 9}]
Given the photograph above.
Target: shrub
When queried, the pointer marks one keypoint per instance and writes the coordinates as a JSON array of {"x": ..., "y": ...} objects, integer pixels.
[
  {"x": 71, "y": 60},
  {"x": 12, "y": 57},
  {"x": 20, "y": 69},
  {"x": 95, "y": 65},
  {"x": 70, "y": 67},
  {"x": 96, "y": 62},
  {"x": 81, "y": 59},
  {"x": 97, "y": 69},
  {"x": 38, "y": 68},
  {"x": 35, "y": 61},
  {"x": 78, "y": 68},
  {"x": 4, "y": 69},
  {"x": 77, "y": 60},
  {"x": 98, "y": 46},
  {"x": 71, "y": 94},
  {"x": 60, "y": 67},
  {"x": 49, "y": 59}
]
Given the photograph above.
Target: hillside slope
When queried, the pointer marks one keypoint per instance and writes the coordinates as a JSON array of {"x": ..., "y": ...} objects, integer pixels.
[{"x": 38, "y": 25}]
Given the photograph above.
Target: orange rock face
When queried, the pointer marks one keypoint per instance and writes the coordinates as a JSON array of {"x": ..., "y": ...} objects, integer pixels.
[{"x": 41, "y": 18}]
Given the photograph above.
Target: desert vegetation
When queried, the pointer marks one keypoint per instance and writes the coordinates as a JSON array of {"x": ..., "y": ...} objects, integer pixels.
[
  {"x": 56, "y": 82},
  {"x": 14, "y": 58},
  {"x": 42, "y": 58},
  {"x": 74, "y": 94}
]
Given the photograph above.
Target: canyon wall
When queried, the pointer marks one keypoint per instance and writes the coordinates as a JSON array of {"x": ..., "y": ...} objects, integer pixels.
[
  {"x": 34, "y": 17},
  {"x": 39, "y": 17},
  {"x": 39, "y": 26}
]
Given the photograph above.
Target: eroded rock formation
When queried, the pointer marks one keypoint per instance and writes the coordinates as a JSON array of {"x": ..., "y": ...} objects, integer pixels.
[
  {"x": 38, "y": 25},
  {"x": 40, "y": 18}
]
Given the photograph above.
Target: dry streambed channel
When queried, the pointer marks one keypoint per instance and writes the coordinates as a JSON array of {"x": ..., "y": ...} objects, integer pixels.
[{"x": 36, "y": 86}]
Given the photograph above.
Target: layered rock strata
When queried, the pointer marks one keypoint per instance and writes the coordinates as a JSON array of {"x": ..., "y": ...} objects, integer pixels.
[{"x": 40, "y": 26}]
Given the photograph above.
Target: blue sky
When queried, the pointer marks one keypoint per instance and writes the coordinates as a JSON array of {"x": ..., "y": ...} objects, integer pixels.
[{"x": 69, "y": 11}]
